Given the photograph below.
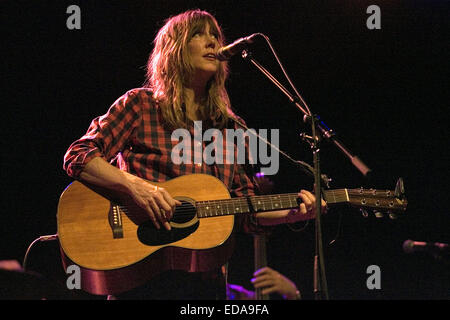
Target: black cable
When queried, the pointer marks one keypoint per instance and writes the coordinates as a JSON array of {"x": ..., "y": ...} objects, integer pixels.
[{"x": 41, "y": 238}]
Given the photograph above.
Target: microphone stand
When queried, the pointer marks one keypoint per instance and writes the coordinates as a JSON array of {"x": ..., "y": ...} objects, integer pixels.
[{"x": 320, "y": 282}]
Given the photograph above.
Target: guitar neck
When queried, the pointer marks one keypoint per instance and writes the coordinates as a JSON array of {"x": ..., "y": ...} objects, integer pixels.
[
  {"x": 253, "y": 204},
  {"x": 363, "y": 198}
]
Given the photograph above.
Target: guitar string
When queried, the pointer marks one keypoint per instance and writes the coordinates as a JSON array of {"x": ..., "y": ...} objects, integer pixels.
[
  {"x": 191, "y": 212},
  {"x": 259, "y": 200},
  {"x": 264, "y": 201},
  {"x": 234, "y": 202},
  {"x": 270, "y": 198},
  {"x": 187, "y": 208}
]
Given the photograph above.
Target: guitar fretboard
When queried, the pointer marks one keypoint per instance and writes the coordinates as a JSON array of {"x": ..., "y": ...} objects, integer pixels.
[{"x": 253, "y": 204}]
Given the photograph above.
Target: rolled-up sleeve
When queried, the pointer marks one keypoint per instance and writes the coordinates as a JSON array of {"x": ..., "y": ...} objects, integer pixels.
[{"x": 107, "y": 134}]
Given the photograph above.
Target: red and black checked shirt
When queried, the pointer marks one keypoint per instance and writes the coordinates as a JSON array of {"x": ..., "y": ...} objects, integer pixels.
[{"x": 131, "y": 136}]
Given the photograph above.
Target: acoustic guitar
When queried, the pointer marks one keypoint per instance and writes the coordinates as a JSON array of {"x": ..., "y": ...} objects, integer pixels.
[{"x": 117, "y": 248}]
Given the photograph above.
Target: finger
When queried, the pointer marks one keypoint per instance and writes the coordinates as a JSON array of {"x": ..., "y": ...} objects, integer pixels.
[
  {"x": 303, "y": 209},
  {"x": 145, "y": 205},
  {"x": 261, "y": 271},
  {"x": 171, "y": 202},
  {"x": 151, "y": 214},
  {"x": 162, "y": 204},
  {"x": 269, "y": 290},
  {"x": 169, "y": 199},
  {"x": 166, "y": 225},
  {"x": 263, "y": 284},
  {"x": 260, "y": 279},
  {"x": 307, "y": 204},
  {"x": 310, "y": 196},
  {"x": 324, "y": 206},
  {"x": 157, "y": 211},
  {"x": 163, "y": 210}
]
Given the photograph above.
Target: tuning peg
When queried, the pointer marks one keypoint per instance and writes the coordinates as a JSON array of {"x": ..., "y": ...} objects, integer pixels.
[
  {"x": 378, "y": 214},
  {"x": 326, "y": 180},
  {"x": 392, "y": 216},
  {"x": 364, "y": 212},
  {"x": 399, "y": 188}
]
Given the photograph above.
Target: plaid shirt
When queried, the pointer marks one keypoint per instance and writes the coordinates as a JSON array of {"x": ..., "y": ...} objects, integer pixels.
[{"x": 131, "y": 136}]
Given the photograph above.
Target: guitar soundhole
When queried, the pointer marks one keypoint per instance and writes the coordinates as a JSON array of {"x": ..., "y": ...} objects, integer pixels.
[
  {"x": 184, "y": 213},
  {"x": 182, "y": 227}
]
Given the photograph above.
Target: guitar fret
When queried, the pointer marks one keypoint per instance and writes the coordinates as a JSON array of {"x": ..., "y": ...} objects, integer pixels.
[
  {"x": 259, "y": 204},
  {"x": 237, "y": 209},
  {"x": 336, "y": 196},
  {"x": 200, "y": 210},
  {"x": 291, "y": 199},
  {"x": 207, "y": 208},
  {"x": 213, "y": 209},
  {"x": 218, "y": 209},
  {"x": 276, "y": 205}
]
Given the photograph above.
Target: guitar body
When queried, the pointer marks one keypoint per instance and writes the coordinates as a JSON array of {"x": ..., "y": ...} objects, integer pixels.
[{"x": 118, "y": 249}]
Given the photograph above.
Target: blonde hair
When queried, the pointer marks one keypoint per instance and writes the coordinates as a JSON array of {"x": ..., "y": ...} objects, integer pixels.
[{"x": 169, "y": 70}]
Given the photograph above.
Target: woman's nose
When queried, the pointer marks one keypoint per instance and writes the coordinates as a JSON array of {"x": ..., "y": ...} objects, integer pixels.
[{"x": 211, "y": 42}]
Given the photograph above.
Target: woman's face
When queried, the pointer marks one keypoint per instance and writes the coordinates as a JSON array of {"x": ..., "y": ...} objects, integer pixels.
[{"x": 201, "y": 49}]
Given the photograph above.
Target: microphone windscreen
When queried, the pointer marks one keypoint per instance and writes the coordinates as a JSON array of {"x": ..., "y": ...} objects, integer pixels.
[{"x": 408, "y": 246}]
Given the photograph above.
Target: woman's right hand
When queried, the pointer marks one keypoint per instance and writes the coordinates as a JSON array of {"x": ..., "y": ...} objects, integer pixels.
[{"x": 156, "y": 201}]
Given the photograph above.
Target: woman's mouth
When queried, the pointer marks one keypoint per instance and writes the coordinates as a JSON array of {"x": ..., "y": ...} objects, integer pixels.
[{"x": 210, "y": 56}]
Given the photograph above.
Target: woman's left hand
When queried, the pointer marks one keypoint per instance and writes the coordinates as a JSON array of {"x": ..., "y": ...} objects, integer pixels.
[{"x": 306, "y": 209}]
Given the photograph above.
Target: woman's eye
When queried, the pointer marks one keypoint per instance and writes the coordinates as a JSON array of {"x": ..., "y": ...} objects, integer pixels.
[{"x": 200, "y": 34}]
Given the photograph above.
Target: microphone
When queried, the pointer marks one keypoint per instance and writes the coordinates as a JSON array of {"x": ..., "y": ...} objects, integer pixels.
[
  {"x": 230, "y": 50},
  {"x": 410, "y": 246}
]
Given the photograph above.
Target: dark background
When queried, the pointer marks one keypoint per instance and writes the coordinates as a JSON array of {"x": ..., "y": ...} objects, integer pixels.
[{"x": 384, "y": 92}]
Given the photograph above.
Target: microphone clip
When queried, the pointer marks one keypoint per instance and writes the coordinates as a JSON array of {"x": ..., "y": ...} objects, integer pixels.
[{"x": 246, "y": 54}]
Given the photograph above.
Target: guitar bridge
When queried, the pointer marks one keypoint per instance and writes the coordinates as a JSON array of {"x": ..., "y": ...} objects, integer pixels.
[{"x": 115, "y": 221}]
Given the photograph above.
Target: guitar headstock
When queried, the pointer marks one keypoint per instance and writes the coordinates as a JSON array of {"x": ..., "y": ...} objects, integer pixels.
[{"x": 379, "y": 201}]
